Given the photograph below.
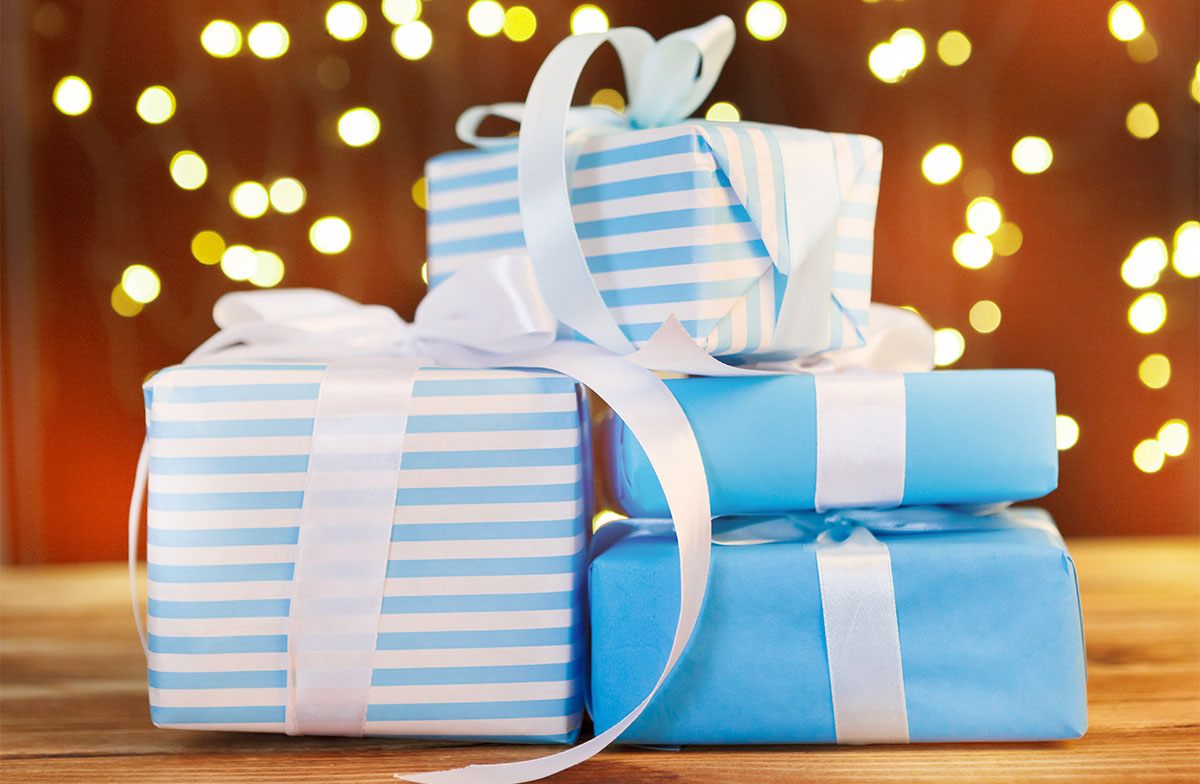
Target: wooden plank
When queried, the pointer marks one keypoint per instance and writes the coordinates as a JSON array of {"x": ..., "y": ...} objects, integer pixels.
[{"x": 73, "y": 702}]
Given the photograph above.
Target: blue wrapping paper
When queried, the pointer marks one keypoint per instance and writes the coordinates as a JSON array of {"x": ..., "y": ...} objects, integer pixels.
[
  {"x": 990, "y": 636},
  {"x": 972, "y": 437}
]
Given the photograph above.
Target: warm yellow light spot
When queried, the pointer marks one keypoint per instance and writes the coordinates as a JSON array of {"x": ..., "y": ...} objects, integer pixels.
[
  {"x": 425, "y": 273},
  {"x": 941, "y": 164},
  {"x": 954, "y": 48},
  {"x": 1007, "y": 239},
  {"x": 141, "y": 283},
  {"x": 909, "y": 47},
  {"x": 723, "y": 111},
  {"x": 249, "y": 199},
  {"x": 287, "y": 195},
  {"x": 1125, "y": 22},
  {"x": 1186, "y": 257},
  {"x": 1032, "y": 155},
  {"x": 1155, "y": 371},
  {"x": 609, "y": 97},
  {"x": 1194, "y": 86},
  {"x": 1142, "y": 49},
  {"x": 985, "y": 316},
  {"x": 1173, "y": 437},
  {"x": 238, "y": 262},
  {"x": 886, "y": 63},
  {"x": 358, "y": 127},
  {"x": 486, "y": 17},
  {"x": 330, "y": 235},
  {"x": 400, "y": 12},
  {"x": 207, "y": 247},
  {"x": 420, "y": 193},
  {"x": 72, "y": 95},
  {"x": 1148, "y": 456},
  {"x": 345, "y": 21},
  {"x": 1147, "y": 313},
  {"x": 588, "y": 19},
  {"x": 1144, "y": 263},
  {"x": 412, "y": 40},
  {"x": 519, "y": 23},
  {"x": 948, "y": 346},
  {"x": 221, "y": 38},
  {"x": 973, "y": 251},
  {"x": 1066, "y": 432},
  {"x": 268, "y": 40},
  {"x": 605, "y": 516},
  {"x": 910, "y": 308},
  {"x": 268, "y": 269},
  {"x": 1142, "y": 121},
  {"x": 983, "y": 216},
  {"x": 766, "y": 19},
  {"x": 188, "y": 170},
  {"x": 156, "y": 104},
  {"x": 123, "y": 304}
]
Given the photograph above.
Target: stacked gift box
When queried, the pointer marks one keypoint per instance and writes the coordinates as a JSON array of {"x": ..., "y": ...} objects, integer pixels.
[{"x": 868, "y": 582}]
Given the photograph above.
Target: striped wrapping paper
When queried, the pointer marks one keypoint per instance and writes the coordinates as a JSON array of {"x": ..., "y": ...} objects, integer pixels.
[
  {"x": 482, "y": 633},
  {"x": 668, "y": 229}
]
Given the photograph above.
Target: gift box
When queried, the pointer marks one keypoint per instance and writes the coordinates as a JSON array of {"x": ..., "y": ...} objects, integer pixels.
[
  {"x": 969, "y": 437},
  {"x": 989, "y": 647},
  {"x": 692, "y": 220},
  {"x": 482, "y": 628}
]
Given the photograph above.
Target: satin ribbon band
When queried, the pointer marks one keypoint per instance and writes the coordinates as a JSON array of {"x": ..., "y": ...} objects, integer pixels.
[{"x": 861, "y": 439}]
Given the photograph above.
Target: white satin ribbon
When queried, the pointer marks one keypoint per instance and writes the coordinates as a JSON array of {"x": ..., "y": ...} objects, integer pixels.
[{"x": 861, "y": 421}]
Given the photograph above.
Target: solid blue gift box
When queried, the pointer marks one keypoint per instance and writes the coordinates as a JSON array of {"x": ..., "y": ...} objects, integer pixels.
[
  {"x": 972, "y": 437},
  {"x": 989, "y": 623}
]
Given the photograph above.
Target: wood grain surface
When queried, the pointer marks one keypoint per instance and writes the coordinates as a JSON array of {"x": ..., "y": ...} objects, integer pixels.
[{"x": 73, "y": 701}]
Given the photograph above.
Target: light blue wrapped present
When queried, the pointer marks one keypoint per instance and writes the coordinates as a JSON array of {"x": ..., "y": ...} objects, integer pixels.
[
  {"x": 943, "y": 626},
  {"x": 482, "y": 627},
  {"x": 965, "y": 437}
]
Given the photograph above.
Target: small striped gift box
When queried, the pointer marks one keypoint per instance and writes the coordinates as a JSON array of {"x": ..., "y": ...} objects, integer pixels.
[
  {"x": 482, "y": 628},
  {"x": 686, "y": 220}
]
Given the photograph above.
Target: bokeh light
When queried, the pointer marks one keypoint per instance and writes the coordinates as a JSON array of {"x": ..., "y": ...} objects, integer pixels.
[
  {"x": 973, "y": 251},
  {"x": 1148, "y": 456},
  {"x": 1147, "y": 313},
  {"x": 1145, "y": 262},
  {"x": 941, "y": 164},
  {"x": 1142, "y": 121},
  {"x": 948, "y": 346},
  {"x": 72, "y": 95},
  {"x": 723, "y": 111},
  {"x": 607, "y": 96},
  {"x": 1173, "y": 437},
  {"x": 400, "y": 12},
  {"x": 886, "y": 63},
  {"x": 249, "y": 199},
  {"x": 588, "y": 19},
  {"x": 984, "y": 316},
  {"x": 268, "y": 40},
  {"x": 238, "y": 262},
  {"x": 1186, "y": 258},
  {"x": 345, "y": 21},
  {"x": 287, "y": 195},
  {"x": 1032, "y": 155},
  {"x": 330, "y": 235},
  {"x": 358, "y": 127},
  {"x": 425, "y": 272},
  {"x": 141, "y": 283},
  {"x": 207, "y": 247},
  {"x": 1007, "y": 239},
  {"x": 1142, "y": 49},
  {"x": 983, "y": 216},
  {"x": 156, "y": 104},
  {"x": 268, "y": 269},
  {"x": 188, "y": 170},
  {"x": 221, "y": 38},
  {"x": 1125, "y": 22},
  {"x": 909, "y": 47},
  {"x": 486, "y": 17},
  {"x": 954, "y": 48},
  {"x": 412, "y": 40},
  {"x": 123, "y": 304},
  {"x": 1155, "y": 371},
  {"x": 766, "y": 19},
  {"x": 420, "y": 193},
  {"x": 519, "y": 23},
  {"x": 1066, "y": 432}
]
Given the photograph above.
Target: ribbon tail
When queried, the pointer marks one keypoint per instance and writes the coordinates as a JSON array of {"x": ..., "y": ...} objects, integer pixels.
[{"x": 655, "y": 418}]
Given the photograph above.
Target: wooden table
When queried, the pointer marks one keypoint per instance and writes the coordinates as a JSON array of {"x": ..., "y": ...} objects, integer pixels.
[{"x": 73, "y": 701}]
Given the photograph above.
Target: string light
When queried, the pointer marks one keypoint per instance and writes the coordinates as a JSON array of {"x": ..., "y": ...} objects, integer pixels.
[
  {"x": 884, "y": 61},
  {"x": 973, "y": 251},
  {"x": 1194, "y": 85},
  {"x": 72, "y": 95},
  {"x": 141, "y": 283},
  {"x": 1148, "y": 313},
  {"x": 286, "y": 195},
  {"x": 412, "y": 40},
  {"x": 909, "y": 47},
  {"x": 359, "y": 127},
  {"x": 122, "y": 304},
  {"x": 1142, "y": 121},
  {"x": 207, "y": 247},
  {"x": 188, "y": 170},
  {"x": 345, "y": 21},
  {"x": 1066, "y": 432},
  {"x": 1173, "y": 437},
  {"x": 948, "y": 346},
  {"x": 1007, "y": 239},
  {"x": 330, "y": 235},
  {"x": 1148, "y": 456},
  {"x": 607, "y": 96},
  {"x": 983, "y": 216},
  {"x": 723, "y": 111},
  {"x": 1186, "y": 257},
  {"x": 221, "y": 38},
  {"x": 519, "y": 23},
  {"x": 1125, "y": 22},
  {"x": 268, "y": 40},
  {"x": 766, "y": 19},
  {"x": 400, "y": 12},
  {"x": 238, "y": 262},
  {"x": 954, "y": 48},
  {"x": 156, "y": 104},
  {"x": 1032, "y": 155},
  {"x": 486, "y": 17},
  {"x": 268, "y": 269},
  {"x": 1155, "y": 371},
  {"x": 984, "y": 316},
  {"x": 420, "y": 193},
  {"x": 941, "y": 164},
  {"x": 249, "y": 199},
  {"x": 588, "y": 19}
]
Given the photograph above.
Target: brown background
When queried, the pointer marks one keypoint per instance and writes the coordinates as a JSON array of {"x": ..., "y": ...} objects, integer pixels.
[{"x": 85, "y": 196}]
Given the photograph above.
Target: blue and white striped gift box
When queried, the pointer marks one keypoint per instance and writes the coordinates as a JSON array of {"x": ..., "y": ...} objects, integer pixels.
[
  {"x": 482, "y": 633},
  {"x": 668, "y": 229}
]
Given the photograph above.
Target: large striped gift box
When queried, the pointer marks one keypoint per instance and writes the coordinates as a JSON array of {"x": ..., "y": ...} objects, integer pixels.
[
  {"x": 687, "y": 220},
  {"x": 482, "y": 628}
]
